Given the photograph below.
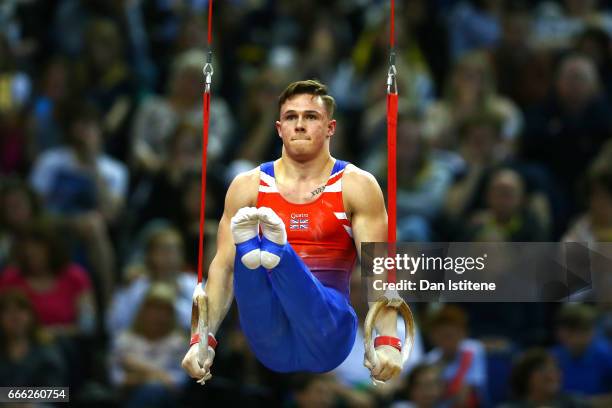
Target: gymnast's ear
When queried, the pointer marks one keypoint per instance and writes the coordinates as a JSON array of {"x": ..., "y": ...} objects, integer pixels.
[
  {"x": 277, "y": 125},
  {"x": 331, "y": 128}
]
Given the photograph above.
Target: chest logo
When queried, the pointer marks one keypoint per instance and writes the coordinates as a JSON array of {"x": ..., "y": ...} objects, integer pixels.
[{"x": 299, "y": 222}]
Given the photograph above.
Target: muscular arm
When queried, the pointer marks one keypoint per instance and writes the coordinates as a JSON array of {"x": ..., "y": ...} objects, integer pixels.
[
  {"x": 365, "y": 203},
  {"x": 219, "y": 287}
]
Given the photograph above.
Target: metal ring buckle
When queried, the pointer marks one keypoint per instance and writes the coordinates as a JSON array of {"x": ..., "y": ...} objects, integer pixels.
[
  {"x": 392, "y": 79},
  {"x": 208, "y": 72},
  {"x": 208, "y": 69}
]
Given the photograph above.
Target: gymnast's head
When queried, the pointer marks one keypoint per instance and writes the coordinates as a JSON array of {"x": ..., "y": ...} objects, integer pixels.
[
  {"x": 306, "y": 122},
  {"x": 310, "y": 87}
]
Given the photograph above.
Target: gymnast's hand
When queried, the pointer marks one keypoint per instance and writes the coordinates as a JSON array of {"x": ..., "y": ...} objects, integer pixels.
[
  {"x": 389, "y": 363},
  {"x": 193, "y": 368}
]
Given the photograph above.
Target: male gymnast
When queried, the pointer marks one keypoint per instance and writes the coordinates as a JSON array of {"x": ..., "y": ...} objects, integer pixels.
[{"x": 292, "y": 282}]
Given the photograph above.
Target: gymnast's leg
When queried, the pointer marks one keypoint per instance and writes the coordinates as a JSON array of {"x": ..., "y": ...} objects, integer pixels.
[
  {"x": 323, "y": 321},
  {"x": 262, "y": 318}
]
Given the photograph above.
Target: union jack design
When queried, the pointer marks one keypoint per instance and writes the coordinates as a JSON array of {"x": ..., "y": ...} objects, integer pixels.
[{"x": 298, "y": 223}]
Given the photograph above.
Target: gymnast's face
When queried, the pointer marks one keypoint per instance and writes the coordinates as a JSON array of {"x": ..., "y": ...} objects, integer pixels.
[{"x": 305, "y": 127}]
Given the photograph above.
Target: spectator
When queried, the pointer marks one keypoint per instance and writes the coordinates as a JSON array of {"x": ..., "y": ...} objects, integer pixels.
[
  {"x": 481, "y": 148},
  {"x": 567, "y": 131},
  {"x": 474, "y": 25},
  {"x": 536, "y": 382},
  {"x": 507, "y": 217},
  {"x": 480, "y": 140},
  {"x": 523, "y": 71},
  {"x": 556, "y": 25},
  {"x": 158, "y": 117},
  {"x": 163, "y": 24},
  {"x": 187, "y": 218},
  {"x": 260, "y": 110},
  {"x": 105, "y": 78},
  {"x": 163, "y": 263},
  {"x": 314, "y": 391},
  {"x": 482, "y": 152},
  {"x": 60, "y": 291},
  {"x": 191, "y": 33},
  {"x": 85, "y": 190},
  {"x": 19, "y": 208},
  {"x": 595, "y": 43},
  {"x": 183, "y": 160},
  {"x": 423, "y": 388},
  {"x": 584, "y": 360},
  {"x": 423, "y": 182},
  {"x": 414, "y": 74},
  {"x": 471, "y": 89},
  {"x": 52, "y": 98},
  {"x": 27, "y": 354},
  {"x": 25, "y": 25},
  {"x": 79, "y": 177},
  {"x": 327, "y": 52},
  {"x": 596, "y": 224},
  {"x": 461, "y": 360},
  {"x": 310, "y": 391},
  {"x": 423, "y": 179},
  {"x": 145, "y": 361}
]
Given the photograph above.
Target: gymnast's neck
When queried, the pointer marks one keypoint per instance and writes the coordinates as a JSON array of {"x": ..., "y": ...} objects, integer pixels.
[{"x": 295, "y": 169}]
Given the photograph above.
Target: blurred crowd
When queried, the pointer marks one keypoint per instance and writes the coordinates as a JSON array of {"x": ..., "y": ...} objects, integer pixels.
[{"x": 504, "y": 135}]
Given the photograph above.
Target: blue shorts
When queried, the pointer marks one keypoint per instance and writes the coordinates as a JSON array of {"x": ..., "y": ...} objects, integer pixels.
[{"x": 291, "y": 321}]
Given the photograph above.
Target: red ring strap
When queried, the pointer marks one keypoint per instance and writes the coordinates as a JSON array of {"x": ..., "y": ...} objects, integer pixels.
[
  {"x": 205, "y": 124},
  {"x": 388, "y": 341},
  {"x": 210, "y": 7},
  {"x": 212, "y": 342}
]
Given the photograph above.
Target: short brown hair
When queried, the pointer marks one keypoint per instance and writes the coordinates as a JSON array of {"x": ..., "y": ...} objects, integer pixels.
[
  {"x": 14, "y": 184},
  {"x": 16, "y": 297},
  {"x": 159, "y": 293},
  {"x": 308, "y": 87},
  {"x": 160, "y": 234},
  {"x": 487, "y": 119},
  {"x": 48, "y": 236},
  {"x": 527, "y": 363},
  {"x": 413, "y": 377}
]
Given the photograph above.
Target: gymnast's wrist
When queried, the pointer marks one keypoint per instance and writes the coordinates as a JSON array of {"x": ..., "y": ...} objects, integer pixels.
[
  {"x": 394, "y": 342},
  {"x": 212, "y": 341}
]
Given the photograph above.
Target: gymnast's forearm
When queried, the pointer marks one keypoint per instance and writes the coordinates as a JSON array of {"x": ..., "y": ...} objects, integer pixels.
[
  {"x": 386, "y": 323},
  {"x": 220, "y": 291}
]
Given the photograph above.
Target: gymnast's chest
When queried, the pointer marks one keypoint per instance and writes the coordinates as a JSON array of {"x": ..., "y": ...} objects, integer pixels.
[
  {"x": 314, "y": 222},
  {"x": 300, "y": 194}
]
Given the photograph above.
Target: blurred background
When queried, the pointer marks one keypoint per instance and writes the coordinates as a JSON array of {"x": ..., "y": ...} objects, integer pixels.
[{"x": 504, "y": 135}]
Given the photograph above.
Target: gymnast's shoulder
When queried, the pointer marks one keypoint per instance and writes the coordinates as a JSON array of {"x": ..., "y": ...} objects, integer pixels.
[
  {"x": 359, "y": 179},
  {"x": 244, "y": 188},
  {"x": 359, "y": 186}
]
